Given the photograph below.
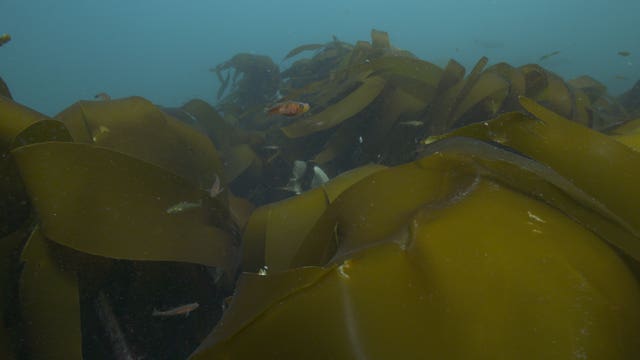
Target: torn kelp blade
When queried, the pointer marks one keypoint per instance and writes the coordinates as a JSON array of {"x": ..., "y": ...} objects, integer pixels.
[{"x": 105, "y": 203}]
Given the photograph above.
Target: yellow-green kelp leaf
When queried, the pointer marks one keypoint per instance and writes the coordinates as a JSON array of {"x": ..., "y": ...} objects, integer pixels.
[
  {"x": 339, "y": 112},
  {"x": 106, "y": 203},
  {"x": 134, "y": 126},
  {"x": 492, "y": 274},
  {"x": 302, "y": 48},
  {"x": 602, "y": 167},
  {"x": 275, "y": 231},
  {"x": 259, "y": 294},
  {"x": 50, "y": 304},
  {"x": 628, "y": 134}
]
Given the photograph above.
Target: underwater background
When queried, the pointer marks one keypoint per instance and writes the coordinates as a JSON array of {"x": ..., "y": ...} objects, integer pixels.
[
  {"x": 64, "y": 51},
  {"x": 319, "y": 180}
]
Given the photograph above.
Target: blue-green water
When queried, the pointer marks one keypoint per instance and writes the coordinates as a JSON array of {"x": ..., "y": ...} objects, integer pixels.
[{"x": 64, "y": 51}]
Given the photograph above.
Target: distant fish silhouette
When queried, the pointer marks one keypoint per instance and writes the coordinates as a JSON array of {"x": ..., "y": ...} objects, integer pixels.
[
  {"x": 546, "y": 56},
  {"x": 102, "y": 96},
  {"x": 624, "y": 53}
]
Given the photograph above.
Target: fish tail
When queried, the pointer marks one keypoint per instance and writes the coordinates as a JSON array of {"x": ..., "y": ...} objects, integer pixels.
[{"x": 272, "y": 111}]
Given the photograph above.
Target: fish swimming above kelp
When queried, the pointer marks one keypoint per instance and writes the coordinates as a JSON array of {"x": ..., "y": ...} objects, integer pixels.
[
  {"x": 288, "y": 108},
  {"x": 546, "y": 56},
  {"x": 180, "y": 310}
]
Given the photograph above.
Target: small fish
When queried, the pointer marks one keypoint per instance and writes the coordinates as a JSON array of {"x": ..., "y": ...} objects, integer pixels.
[
  {"x": 288, "y": 108},
  {"x": 216, "y": 188},
  {"x": 620, "y": 77},
  {"x": 102, "y": 96},
  {"x": 4, "y": 38},
  {"x": 180, "y": 310},
  {"x": 624, "y": 53},
  {"x": 183, "y": 206},
  {"x": 544, "y": 57},
  {"x": 413, "y": 123}
]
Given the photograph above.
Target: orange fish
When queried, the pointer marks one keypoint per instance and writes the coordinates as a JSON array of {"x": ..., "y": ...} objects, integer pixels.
[
  {"x": 102, "y": 96},
  {"x": 288, "y": 108},
  {"x": 180, "y": 310}
]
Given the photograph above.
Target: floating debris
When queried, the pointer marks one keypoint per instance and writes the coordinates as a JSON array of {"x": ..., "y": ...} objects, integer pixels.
[
  {"x": 183, "y": 206},
  {"x": 544, "y": 57},
  {"x": 180, "y": 310}
]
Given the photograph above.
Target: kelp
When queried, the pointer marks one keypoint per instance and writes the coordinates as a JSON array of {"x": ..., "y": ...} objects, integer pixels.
[
  {"x": 50, "y": 303},
  {"x": 302, "y": 48},
  {"x": 135, "y": 127},
  {"x": 255, "y": 80},
  {"x": 599, "y": 165},
  {"x": 418, "y": 255},
  {"x": 343, "y": 110},
  {"x": 4, "y": 89},
  {"x": 512, "y": 199},
  {"x": 108, "y": 204}
]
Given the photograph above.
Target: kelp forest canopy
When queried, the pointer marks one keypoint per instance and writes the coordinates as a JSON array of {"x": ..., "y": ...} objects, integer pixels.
[
  {"x": 372, "y": 102},
  {"x": 412, "y": 211}
]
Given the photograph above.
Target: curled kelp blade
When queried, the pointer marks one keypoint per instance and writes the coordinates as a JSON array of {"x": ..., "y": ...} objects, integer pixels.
[
  {"x": 339, "y": 112},
  {"x": 19, "y": 126},
  {"x": 106, "y": 203},
  {"x": 598, "y": 165},
  {"x": 134, "y": 126},
  {"x": 446, "y": 276},
  {"x": 50, "y": 303}
]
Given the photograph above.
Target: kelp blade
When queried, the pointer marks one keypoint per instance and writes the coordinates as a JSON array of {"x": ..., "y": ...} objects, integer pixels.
[{"x": 106, "y": 203}]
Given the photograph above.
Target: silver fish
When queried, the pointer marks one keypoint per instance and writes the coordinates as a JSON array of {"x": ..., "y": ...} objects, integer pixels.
[
  {"x": 183, "y": 206},
  {"x": 180, "y": 310}
]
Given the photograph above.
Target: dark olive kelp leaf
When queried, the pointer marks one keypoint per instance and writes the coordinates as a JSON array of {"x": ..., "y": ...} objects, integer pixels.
[
  {"x": 134, "y": 126},
  {"x": 19, "y": 126},
  {"x": 105, "y": 203},
  {"x": 50, "y": 304},
  {"x": 339, "y": 112},
  {"x": 4, "y": 89},
  {"x": 9, "y": 254}
]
